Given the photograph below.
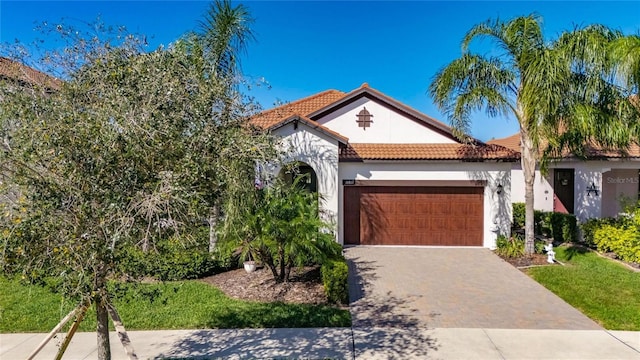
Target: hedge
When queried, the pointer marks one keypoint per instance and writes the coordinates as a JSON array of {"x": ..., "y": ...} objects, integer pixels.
[
  {"x": 334, "y": 278},
  {"x": 172, "y": 260},
  {"x": 620, "y": 236},
  {"x": 561, "y": 227}
]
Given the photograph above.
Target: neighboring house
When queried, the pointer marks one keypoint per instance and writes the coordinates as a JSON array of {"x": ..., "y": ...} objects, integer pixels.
[
  {"x": 391, "y": 175},
  {"x": 596, "y": 187},
  {"x": 20, "y": 76},
  {"x": 14, "y": 78}
]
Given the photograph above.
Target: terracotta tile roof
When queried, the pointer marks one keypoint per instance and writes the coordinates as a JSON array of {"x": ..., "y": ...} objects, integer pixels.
[
  {"x": 464, "y": 152},
  {"x": 510, "y": 142},
  {"x": 306, "y": 106},
  {"x": 16, "y": 71},
  {"x": 596, "y": 152},
  {"x": 592, "y": 151}
]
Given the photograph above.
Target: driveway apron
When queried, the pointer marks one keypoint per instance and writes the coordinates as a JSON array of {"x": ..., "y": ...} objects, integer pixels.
[{"x": 408, "y": 287}]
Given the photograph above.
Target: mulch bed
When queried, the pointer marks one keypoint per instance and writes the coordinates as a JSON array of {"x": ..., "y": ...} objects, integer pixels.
[
  {"x": 528, "y": 260},
  {"x": 305, "y": 286}
]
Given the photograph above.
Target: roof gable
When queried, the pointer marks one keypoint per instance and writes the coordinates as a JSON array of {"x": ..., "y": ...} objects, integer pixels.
[
  {"x": 387, "y": 124},
  {"x": 376, "y": 96}
]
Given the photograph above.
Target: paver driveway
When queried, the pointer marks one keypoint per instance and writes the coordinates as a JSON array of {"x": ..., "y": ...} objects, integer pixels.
[{"x": 450, "y": 288}]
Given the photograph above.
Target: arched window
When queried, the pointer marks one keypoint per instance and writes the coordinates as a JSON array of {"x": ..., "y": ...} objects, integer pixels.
[{"x": 306, "y": 174}]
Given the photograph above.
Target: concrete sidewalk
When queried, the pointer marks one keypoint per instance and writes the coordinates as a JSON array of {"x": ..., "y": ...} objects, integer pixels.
[{"x": 345, "y": 343}]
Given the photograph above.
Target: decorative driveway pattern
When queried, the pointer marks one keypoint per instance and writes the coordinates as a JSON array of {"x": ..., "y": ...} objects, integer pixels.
[{"x": 416, "y": 287}]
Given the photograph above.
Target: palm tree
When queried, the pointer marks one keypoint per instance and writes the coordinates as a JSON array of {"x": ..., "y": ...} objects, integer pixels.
[
  {"x": 626, "y": 51},
  {"x": 547, "y": 87},
  {"x": 225, "y": 33},
  {"x": 223, "y": 37}
]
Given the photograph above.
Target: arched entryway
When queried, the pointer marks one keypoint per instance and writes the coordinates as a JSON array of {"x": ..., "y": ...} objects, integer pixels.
[{"x": 302, "y": 171}]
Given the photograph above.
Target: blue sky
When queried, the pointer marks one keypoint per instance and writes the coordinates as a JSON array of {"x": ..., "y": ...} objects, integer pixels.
[{"x": 306, "y": 47}]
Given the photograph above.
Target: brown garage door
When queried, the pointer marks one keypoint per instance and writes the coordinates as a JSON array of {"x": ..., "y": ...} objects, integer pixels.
[{"x": 410, "y": 215}]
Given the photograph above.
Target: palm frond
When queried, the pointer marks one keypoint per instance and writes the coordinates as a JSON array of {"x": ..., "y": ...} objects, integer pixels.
[
  {"x": 626, "y": 51},
  {"x": 473, "y": 83},
  {"x": 226, "y": 33}
]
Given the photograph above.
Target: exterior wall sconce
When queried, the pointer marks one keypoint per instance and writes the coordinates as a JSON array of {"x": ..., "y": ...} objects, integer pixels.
[
  {"x": 499, "y": 189},
  {"x": 592, "y": 189}
]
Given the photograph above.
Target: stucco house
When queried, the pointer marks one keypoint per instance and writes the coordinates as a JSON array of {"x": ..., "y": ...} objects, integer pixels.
[
  {"x": 391, "y": 175},
  {"x": 595, "y": 187}
]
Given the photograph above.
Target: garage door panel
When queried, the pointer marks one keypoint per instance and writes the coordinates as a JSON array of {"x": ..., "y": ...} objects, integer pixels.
[{"x": 414, "y": 215}]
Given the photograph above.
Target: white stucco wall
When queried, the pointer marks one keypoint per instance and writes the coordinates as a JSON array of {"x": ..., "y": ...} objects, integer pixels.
[
  {"x": 605, "y": 175},
  {"x": 388, "y": 126},
  {"x": 497, "y": 208},
  {"x": 319, "y": 151},
  {"x": 619, "y": 188},
  {"x": 542, "y": 189},
  {"x": 596, "y": 172}
]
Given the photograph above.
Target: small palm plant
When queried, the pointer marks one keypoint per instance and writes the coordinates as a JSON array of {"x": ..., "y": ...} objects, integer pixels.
[{"x": 282, "y": 228}]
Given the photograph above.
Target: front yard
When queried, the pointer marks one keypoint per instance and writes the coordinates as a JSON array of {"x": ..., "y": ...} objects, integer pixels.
[
  {"x": 171, "y": 305},
  {"x": 602, "y": 289}
]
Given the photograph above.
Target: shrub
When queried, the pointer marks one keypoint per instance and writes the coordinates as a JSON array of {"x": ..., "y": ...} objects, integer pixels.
[
  {"x": 539, "y": 219},
  {"x": 619, "y": 235},
  {"x": 562, "y": 227},
  {"x": 540, "y": 223},
  {"x": 171, "y": 260},
  {"x": 589, "y": 227},
  {"x": 510, "y": 247},
  {"x": 334, "y": 278},
  {"x": 514, "y": 246},
  {"x": 622, "y": 240},
  {"x": 282, "y": 228},
  {"x": 518, "y": 216}
]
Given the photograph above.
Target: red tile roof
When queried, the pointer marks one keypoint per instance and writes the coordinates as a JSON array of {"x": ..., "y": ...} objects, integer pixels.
[
  {"x": 592, "y": 151},
  {"x": 16, "y": 71},
  {"x": 464, "y": 152},
  {"x": 305, "y": 110},
  {"x": 306, "y": 106},
  {"x": 510, "y": 142}
]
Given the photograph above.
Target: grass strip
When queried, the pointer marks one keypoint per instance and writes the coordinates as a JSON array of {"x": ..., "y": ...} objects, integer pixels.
[
  {"x": 169, "y": 305},
  {"x": 602, "y": 289}
]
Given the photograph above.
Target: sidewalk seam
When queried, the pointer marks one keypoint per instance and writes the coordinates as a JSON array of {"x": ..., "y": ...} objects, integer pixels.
[
  {"x": 494, "y": 344},
  {"x": 624, "y": 343},
  {"x": 353, "y": 344}
]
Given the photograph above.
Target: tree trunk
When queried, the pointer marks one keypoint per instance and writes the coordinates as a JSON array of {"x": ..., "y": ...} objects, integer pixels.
[
  {"x": 288, "y": 274},
  {"x": 267, "y": 259},
  {"x": 528, "y": 161},
  {"x": 282, "y": 264},
  {"x": 102, "y": 317},
  {"x": 214, "y": 214}
]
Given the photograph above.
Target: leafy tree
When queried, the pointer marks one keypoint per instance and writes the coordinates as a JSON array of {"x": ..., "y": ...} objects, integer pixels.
[
  {"x": 282, "y": 229},
  {"x": 130, "y": 150},
  {"x": 561, "y": 93}
]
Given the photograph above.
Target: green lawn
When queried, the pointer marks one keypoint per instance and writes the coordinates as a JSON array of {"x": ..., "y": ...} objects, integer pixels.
[
  {"x": 170, "y": 305},
  {"x": 605, "y": 291}
]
